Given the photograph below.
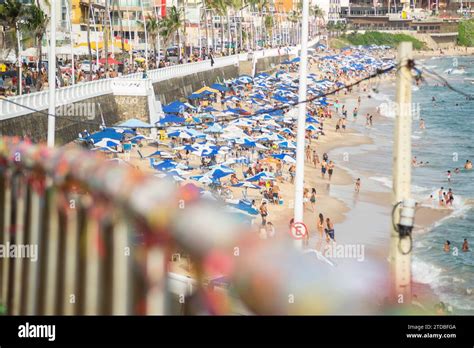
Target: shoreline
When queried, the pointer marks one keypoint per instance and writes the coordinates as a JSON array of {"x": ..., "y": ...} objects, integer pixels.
[{"x": 329, "y": 202}]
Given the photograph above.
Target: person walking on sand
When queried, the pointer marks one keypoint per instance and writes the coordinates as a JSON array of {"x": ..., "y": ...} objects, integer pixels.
[
  {"x": 264, "y": 213},
  {"x": 323, "y": 168},
  {"x": 308, "y": 153},
  {"x": 320, "y": 225},
  {"x": 306, "y": 197},
  {"x": 330, "y": 234},
  {"x": 313, "y": 199},
  {"x": 357, "y": 185},
  {"x": 330, "y": 169},
  {"x": 315, "y": 158}
]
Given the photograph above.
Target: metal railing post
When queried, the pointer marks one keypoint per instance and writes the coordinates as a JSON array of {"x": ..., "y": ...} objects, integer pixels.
[
  {"x": 121, "y": 269},
  {"x": 33, "y": 240},
  {"x": 70, "y": 260},
  {"x": 19, "y": 228},
  {"x": 52, "y": 250},
  {"x": 6, "y": 233}
]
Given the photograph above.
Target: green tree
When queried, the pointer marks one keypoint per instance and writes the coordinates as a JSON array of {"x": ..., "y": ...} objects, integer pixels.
[
  {"x": 170, "y": 26},
  {"x": 153, "y": 30},
  {"x": 11, "y": 13},
  {"x": 36, "y": 22}
]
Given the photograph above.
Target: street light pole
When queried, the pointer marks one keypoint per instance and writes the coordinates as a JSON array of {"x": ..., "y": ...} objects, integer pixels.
[
  {"x": 300, "y": 137},
  {"x": 146, "y": 36},
  {"x": 52, "y": 75},
  {"x": 20, "y": 77}
]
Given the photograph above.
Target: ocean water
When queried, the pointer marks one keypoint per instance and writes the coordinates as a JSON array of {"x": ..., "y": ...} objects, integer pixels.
[{"x": 446, "y": 143}]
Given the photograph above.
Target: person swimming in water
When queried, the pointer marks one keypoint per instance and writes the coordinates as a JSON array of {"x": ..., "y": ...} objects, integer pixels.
[
  {"x": 465, "y": 245},
  {"x": 447, "y": 246},
  {"x": 468, "y": 165},
  {"x": 422, "y": 124}
]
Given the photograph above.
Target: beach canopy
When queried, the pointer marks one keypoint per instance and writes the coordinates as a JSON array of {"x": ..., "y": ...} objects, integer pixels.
[
  {"x": 164, "y": 165},
  {"x": 134, "y": 123},
  {"x": 171, "y": 119},
  {"x": 107, "y": 142},
  {"x": 284, "y": 157},
  {"x": 215, "y": 128},
  {"x": 247, "y": 184},
  {"x": 261, "y": 176},
  {"x": 219, "y": 87},
  {"x": 106, "y": 133},
  {"x": 244, "y": 206},
  {"x": 175, "y": 107},
  {"x": 206, "y": 89}
]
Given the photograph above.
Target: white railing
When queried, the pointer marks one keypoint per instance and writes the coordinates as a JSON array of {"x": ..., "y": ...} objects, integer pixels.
[
  {"x": 81, "y": 91},
  {"x": 186, "y": 69},
  {"x": 64, "y": 95}
]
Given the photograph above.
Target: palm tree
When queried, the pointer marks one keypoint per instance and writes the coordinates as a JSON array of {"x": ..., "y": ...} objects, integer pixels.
[
  {"x": 36, "y": 21},
  {"x": 220, "y": 8},
  {"x": 269, "y": 26},
  {"x": 170, "y": 26},
  {"x": 117, "y": 7},
  {"x": 318, "y": 12},
  {"x": 294, "y": 17},
  {"x": 153, "y": 29},
  {"x": 11, "y": 13}
]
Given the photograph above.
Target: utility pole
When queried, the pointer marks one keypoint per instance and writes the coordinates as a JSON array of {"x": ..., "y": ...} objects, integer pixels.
[
  {"x": 52, "y": 75},
  {"x": 300, "y": 137},
  {"x": 400, "y": 260}
]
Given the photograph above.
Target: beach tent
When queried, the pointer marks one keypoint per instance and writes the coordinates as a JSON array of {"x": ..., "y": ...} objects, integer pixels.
[{"x": 134, "y": 123}]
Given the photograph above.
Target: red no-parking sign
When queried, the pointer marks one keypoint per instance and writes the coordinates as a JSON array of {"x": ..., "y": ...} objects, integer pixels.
[{"x": 298, "y": 230}]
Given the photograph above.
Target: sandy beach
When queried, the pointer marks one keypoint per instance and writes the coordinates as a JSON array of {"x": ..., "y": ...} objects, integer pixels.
[{"x": 335, "y": 198}]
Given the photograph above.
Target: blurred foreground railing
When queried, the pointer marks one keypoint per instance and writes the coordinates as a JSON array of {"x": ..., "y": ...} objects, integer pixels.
[{"x": 105, "y": 235}]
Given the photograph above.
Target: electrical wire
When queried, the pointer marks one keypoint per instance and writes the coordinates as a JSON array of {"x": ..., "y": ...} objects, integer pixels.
[{"x": 377, "y": 73}]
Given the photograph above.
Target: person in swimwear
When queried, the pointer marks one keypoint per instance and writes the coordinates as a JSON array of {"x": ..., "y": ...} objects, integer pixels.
[{"x": 447, "y": 246}]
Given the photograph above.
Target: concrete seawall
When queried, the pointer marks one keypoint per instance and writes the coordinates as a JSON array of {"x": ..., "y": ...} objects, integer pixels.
[{"x": 88, "y": 113}]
